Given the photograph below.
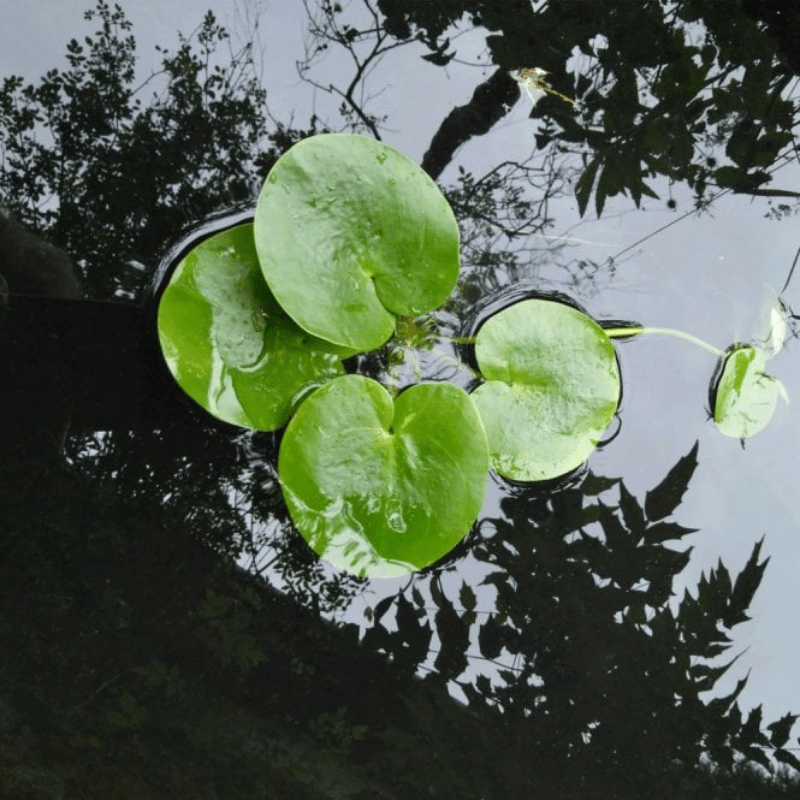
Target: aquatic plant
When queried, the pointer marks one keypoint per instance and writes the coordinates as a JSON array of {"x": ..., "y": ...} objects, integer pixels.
[
  {"x": 351, "y": 246},
  {"x": 742, "y": 394}
]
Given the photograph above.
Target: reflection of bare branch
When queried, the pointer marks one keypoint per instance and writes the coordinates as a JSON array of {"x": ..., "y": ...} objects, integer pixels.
[
  {"x": 326, "y": 28},
  {"x": 503, "y": 218}
]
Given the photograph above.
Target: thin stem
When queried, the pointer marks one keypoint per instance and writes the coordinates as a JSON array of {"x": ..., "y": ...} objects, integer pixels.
[{"x": 617, "y": 332}]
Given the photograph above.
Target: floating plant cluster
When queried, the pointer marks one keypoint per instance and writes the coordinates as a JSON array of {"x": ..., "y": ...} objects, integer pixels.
[{"x": 350, "y": 244}]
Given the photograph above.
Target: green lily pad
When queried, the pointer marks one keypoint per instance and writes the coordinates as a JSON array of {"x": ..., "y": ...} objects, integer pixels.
[
  {"x": 552, "y": 387},
  {"x": 228, "y": 343},
  {"x": 746, "y": 395},
  {"x": 351, "y": 233},
  {"x": 381, "y": 488}
]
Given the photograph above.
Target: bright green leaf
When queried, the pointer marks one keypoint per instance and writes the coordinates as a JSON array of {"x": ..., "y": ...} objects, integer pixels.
[
  {"x": 351, "y": 233},
  {"x": 552, "y": 387},
  {"x": 746, "y": 395},
  {"x": 227, "y": 342},
  {"x": 381, "y": 488}
]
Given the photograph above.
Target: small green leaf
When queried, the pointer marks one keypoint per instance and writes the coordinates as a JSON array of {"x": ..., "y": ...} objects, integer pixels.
[
  {"x": 382, "y": 488},
  {"x": 351, "y": 233},
  {"x": 746, "y": 395},
  {"x": 552, "y": 387}
]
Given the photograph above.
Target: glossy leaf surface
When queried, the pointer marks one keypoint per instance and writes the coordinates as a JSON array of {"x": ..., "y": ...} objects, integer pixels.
[
  {"x": 227, "y": 342},
  {"x": 746, "y": 395},
  {"x": 552, "y": 387},
  {"x": 382, "y": 488},
  {"x": 351, "y": 233}
]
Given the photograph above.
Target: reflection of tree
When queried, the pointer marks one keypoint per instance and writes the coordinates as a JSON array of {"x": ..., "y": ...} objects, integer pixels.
[
  {"x": 110, "y": 174},
  {"x": 662, "y": 86},
  {"x": 118, "y": 576}
]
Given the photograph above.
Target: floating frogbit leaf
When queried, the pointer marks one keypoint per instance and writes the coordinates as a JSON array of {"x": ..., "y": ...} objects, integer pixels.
[
  {"x": 350, "y": 234},
  {"x": 382, "y": 488},
  {"x": 551, "y": 388},
  {"x": 745, "y": 396},
  {"x": 227, "y": 342}
]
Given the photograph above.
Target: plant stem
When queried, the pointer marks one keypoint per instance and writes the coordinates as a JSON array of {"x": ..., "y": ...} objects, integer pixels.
[{"x": 617, "y": 332}]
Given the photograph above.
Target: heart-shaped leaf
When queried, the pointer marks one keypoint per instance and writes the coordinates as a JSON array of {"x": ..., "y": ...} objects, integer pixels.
[
  {"x": 227, "y": 342},
  {"x": 351, "y": 233},
  {"x": 381, "y": 488},
  {"x": 552, "y": 387},
  {"x": 746, "y": 395}
]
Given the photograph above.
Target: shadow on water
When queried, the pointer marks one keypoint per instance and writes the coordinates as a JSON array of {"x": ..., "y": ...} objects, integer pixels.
[{"x": 127, "y": 617}]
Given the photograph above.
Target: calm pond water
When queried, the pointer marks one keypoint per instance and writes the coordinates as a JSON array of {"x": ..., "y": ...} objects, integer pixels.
[{"x": 167, "y": 632}]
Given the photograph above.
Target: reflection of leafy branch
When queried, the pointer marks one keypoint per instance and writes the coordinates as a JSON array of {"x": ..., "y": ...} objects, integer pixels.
[
  {"x": 708, "y": 76},
  {"x": 591, "y": 656}
]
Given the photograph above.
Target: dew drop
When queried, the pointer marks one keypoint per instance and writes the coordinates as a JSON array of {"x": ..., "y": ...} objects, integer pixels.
[{"x": 396, "y": 522}]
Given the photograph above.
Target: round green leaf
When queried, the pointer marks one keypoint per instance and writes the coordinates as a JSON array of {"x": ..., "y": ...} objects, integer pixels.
[
  {"x": 746, "y": 395},
  {"x": 350, "y": 233},
  {"x": 227, "y": 342},
  {"x": 381, "y": 488},
  {"x": 552, "y": 387}
]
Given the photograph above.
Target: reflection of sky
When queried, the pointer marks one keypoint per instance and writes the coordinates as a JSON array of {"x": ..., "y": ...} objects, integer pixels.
[{"x": 703, "y": 275}]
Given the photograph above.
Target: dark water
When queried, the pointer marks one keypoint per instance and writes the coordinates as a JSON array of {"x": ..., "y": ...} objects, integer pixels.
[{"x": 166, "y": 632}]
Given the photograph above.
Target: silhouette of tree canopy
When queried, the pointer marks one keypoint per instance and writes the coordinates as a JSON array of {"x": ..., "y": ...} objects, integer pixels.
[
  {"x": 693, "y": 90},
  {"x": 140, "y": 661},
  {"x": 112, "y": 175}
]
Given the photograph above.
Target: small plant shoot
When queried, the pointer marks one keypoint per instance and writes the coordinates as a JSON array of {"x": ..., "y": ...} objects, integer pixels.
[
  {"x": 532, "y": 80},
  {"x": 744, "y": 395}
]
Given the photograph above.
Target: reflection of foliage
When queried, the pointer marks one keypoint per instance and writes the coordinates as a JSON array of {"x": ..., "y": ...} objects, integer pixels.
[
  {"x": 326, "y": 29},
  {"x": 695, "y": 76},
  {"x": 108, "y": 175},
  {"x": 226, "y": 633},
  {"x": 333, "y": 729},
  {"x": 101, "y": 583},
  {"x": 591, "y": 658},
  {"x": 503, "y": 216}
]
